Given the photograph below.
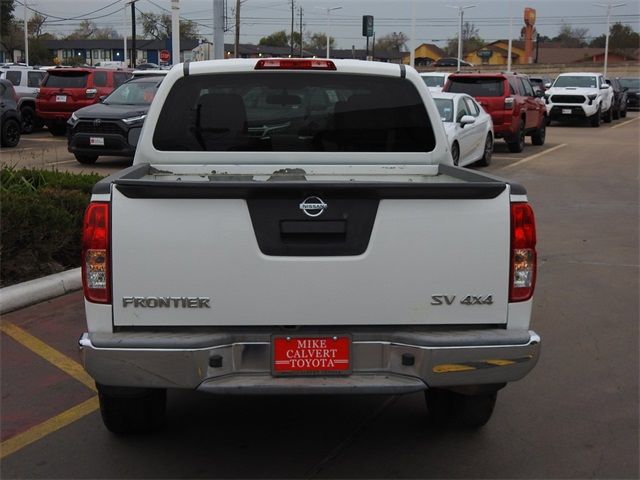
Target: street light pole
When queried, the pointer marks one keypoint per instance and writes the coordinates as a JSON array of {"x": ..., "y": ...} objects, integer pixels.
[
  {"x": 460, "y": 14},
  {"x": 608, "y": 6},
  {"x": 329, "y": 10},
  {"x": 26, "y": 35}
]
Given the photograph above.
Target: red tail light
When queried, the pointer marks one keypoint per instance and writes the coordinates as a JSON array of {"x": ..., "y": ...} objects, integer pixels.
[
  {"x": 294, "y": 64},
  {"x": 523, "y": 253},
  {"x": 91, "y": 92},
  {"x": 96, "y": 271},
  {"x": 508, "y": 103}
]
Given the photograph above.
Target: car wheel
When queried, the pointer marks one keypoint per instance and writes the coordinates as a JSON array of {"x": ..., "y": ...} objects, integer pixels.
[
  {"x": 485, "y": 161},
  {"x": 538, "y": 137},
  {"x": 616, "y": 113},
  {"x": 57, "y": 129},
  {"x": 455, "y": 153},
  {"x": 607, "y": 115},
  {"x": 451, "y": 409},
  {"x": 132, "y": 410},
  {"x": 10, "y": 135},
  {"x": 29, "y": 124},
  {"x": 623, "y": 113},
  {"x": 595, "y": 119},
  {"x": 86, "y": 159},
  {"x": 517, "y": 144}
]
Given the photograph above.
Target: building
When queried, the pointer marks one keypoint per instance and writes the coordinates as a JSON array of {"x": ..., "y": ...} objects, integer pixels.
[
  {"x": 497, "y": 53},
  {"x": 425, "y": 54}
]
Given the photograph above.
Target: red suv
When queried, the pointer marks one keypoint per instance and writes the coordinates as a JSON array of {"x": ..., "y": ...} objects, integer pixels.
[
  {"x": 515, "y": 108},
  {"x": 65, "y": 90}
]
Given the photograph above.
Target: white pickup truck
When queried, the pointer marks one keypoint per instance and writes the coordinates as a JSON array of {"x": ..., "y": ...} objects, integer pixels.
[
  {"x": 296, "y": 226},
  {"x": 580, "y": 95}
]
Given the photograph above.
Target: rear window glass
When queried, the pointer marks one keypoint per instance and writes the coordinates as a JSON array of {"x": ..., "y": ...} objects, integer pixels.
[
  {"x": 477, "y": 87},
  {"x": 445, "y": 108},
  {"x": 433, "y": 80},
  {"x": 68, "y": 80},
  {"x": 34, "y": 78},
  {"x": 281, "y": 111}
]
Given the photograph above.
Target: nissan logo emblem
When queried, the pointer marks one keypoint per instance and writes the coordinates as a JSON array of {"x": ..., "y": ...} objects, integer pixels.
[{"x": 313, "y": 206}]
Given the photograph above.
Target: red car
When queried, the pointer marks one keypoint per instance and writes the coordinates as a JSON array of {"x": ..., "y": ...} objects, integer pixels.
[
  {"x": 515, "y": 108},
  {"x": 65, "y": 90}
]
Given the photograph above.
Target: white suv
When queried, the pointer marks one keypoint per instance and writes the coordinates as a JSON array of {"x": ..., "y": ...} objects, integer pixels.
[
  {"x": 26, "y": 82},
  {"x": 580, "y": 95}
]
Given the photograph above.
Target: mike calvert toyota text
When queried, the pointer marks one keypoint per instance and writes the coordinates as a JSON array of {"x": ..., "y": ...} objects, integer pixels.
[{"x": 297, "y": 226}]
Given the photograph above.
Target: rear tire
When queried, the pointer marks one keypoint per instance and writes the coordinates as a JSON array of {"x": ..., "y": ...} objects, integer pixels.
[
  {"x": 516, "y": 145},
  {"x": 616, "y": 113},
  {"x": 86, "y": 159},
  {"x": 29, "y": 119},
  {"x": 623, "y": 113},
  {"x": 485, "y": 161},
  {"x": 538, "y": 137},
  {"x": 10, "y": 135},
  {"x": 607, "y": 115},
  {"x": 451, "y": 409},
  {"x": 132, "y": 410}
]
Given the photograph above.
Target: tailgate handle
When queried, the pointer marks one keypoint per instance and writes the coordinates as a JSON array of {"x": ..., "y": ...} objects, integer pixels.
[{"x": 327, "y": 230}]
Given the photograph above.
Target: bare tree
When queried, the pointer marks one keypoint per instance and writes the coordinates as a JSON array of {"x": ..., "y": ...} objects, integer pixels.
[{"x": 392, "y": 41}]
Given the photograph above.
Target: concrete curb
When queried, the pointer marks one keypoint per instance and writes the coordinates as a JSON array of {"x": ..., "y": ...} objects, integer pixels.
[{"x": 38, "y": 290}]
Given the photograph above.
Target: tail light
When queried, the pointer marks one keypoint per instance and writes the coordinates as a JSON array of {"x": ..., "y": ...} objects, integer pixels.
[
  {"x": 294, "y": 64},
  {"x": 523, "y": 253},
  {"x": 96, "y": 271},
  {"x": 508, "y": 103},
  {"x": 91, "y": 92}
]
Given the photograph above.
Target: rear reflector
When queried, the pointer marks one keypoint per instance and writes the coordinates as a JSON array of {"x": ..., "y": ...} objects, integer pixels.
[
  {"x": 96, "y": 275},
  {"x": 294, "y": 64},
  {"x": 523, "y": 253}
]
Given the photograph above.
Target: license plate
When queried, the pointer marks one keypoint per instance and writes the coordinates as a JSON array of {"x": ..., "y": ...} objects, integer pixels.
[
  {"x": 311, "y": 355},
  {"x": 61, "y": 98},
  {"x": 96, "y": 141},
  {"x": 566, "y": 111}
]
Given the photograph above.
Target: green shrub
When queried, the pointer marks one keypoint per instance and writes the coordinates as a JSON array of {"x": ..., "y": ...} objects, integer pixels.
[{"x": 41, "y": 228}]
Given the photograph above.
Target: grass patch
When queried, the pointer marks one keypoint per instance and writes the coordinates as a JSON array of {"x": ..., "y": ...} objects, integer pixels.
[{"x": 41, "y": 229}]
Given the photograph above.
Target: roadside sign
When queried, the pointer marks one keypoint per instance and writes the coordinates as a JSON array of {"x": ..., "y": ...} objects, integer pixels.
[
  {"x": 367, "y": 26},
  {"x": 165, "y": 56}
]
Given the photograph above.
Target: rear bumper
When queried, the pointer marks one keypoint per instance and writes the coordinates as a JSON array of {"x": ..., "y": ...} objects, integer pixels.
[{"x": 240, "y": 363}]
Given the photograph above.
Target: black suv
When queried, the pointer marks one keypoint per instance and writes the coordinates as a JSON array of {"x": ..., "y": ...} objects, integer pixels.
[
  {"x": 10, "y": 120},
  {"x": 633, "y": 90},
  {"x": 112, "y": 127},
  {"x": 619, "y": 106}
]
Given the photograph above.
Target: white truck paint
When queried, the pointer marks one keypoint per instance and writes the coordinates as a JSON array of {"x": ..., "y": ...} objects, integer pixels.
[{"x": 204, "y": 260}]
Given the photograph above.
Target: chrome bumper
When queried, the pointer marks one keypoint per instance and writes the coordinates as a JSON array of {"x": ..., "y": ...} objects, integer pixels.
[{"x": 392, "y": 362}]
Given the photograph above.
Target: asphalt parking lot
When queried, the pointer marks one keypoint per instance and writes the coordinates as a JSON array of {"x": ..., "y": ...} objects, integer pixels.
[{"x": 574, "y": 416}]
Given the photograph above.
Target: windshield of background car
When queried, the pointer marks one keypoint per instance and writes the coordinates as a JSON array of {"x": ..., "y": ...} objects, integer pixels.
[
  {"x": 66, "y": 80},
  {"x": 633, "y": 83},
  {"x": 433, "y": 81},
  {"x": 445, "y": 108},
  {"x": 477, "y": 86},
  {"x": 134, "y": 93},
  {"x": 299, "y": 112},
  {"x": 579, "y": 82}
]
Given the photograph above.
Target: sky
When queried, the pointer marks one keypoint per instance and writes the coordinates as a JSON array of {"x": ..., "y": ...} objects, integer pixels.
[{"x": 436, "y": 21}]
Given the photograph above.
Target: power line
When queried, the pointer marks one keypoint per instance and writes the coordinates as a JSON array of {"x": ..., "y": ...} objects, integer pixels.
[{"x": 79, "y": 17}]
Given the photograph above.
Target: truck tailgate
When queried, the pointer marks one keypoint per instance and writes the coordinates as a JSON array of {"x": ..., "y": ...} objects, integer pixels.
[{"x": 429, "y": 255}]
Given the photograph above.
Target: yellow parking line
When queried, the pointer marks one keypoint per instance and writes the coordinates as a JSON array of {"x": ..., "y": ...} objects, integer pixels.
[
  {"x": 625, "y": 123},
  {"x": 47, "y": 427},
  {"x": 51, "y": 355},
  {"x": 526, "y": 159}
]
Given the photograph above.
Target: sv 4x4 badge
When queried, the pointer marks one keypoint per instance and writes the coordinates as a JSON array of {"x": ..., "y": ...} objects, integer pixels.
[{"x": 467, "y": 300}]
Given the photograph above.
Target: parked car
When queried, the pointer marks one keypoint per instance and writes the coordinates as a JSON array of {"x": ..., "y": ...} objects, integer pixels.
[
  {"x": 619, "y": 107},
  {"x": 580, "y": 95},
  {"x": 450, "y": 62},
  {"x": 633, "y": 90},
  {"x": 26, "y": 81},
  {"x": 148, "y": 66},
  {"x": 434, "y": 80},
  {"x": 112, "y": 127},
  {"x": 65, "y": 90},
  {"x": 9, "y": 115},
  {"x": 468, "y": 127},
  {"x": 516, "y": 110}
]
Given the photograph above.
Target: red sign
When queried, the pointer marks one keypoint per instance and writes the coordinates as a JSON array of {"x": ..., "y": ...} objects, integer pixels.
[
  {"x": 311, "y": 355},
  {"x": 165, "y": 55}
]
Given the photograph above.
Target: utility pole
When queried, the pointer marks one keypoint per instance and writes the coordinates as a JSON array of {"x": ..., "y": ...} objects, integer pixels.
[
  {"x": 175, "y": 32},
  {"x": 329, "y": 10},
  {"x": 510, "y": 39},
  {"x": 26, "y": 35},
  {"x": 460, "y": 15},
  {"x": 236, "y": 47},
  {"x": 218, "y": 29},
  {"x": 301, "y": 54},
  {"x": 292, "y": 27},
  {"x": 412, "y": 43},
  {"x": 608, "y": 6},
  {"x": 124, "y": 11},
  {"x": 134, "y": 54}
]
